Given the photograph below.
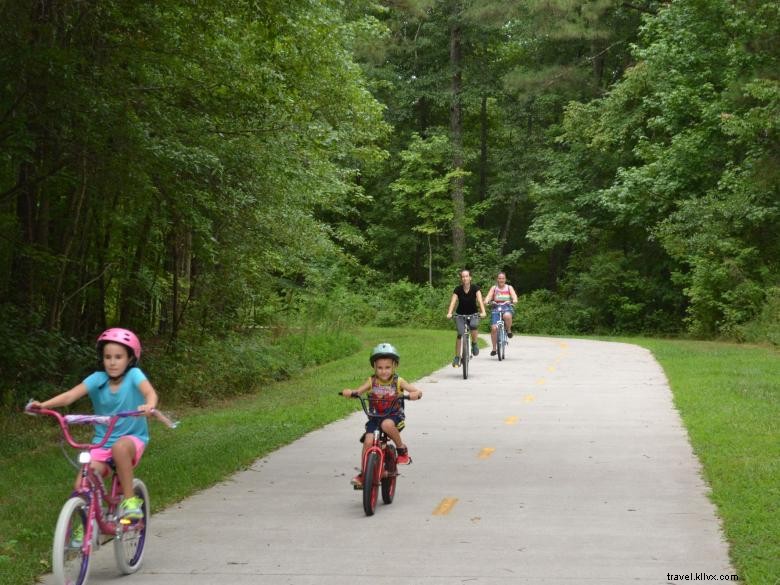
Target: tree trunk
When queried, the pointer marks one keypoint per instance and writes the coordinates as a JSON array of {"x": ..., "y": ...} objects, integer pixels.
[
  {"x": 456, "y": 132},
  {"x": 483, "y": 149},
  {"x": 57, "y": 301},
  {"x": 21, "y": 277}
]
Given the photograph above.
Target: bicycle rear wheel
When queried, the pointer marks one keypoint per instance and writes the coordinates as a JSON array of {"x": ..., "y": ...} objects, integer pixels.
[
  {"x": 69, "y": 561},
  {"x": 131, "y": 538},
  {"x": 391, "y": 471},
  {"x": 371, "y": 483}
]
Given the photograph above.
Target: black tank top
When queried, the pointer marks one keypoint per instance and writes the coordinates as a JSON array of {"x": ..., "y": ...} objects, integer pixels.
[{"x": 467, "y": 301}]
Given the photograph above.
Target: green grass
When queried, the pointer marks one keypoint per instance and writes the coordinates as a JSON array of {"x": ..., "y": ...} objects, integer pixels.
[
  {"x": 729, "y": 399},
  {"x": 728, "y": 396},
  {"x": 210, "y": 444}
]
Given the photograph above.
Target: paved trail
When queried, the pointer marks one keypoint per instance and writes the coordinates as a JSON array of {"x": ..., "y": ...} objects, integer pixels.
[{"x": 566, "y": 463}]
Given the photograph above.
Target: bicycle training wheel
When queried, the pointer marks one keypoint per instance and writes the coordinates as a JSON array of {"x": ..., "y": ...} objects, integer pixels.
[
  {"x": 69, "y": 562},
  {"x": 391, "y": 473},
  {"x": 465, "y": 352},
  {"x": 371, "y": 483},
  {"x": 130, "y": 538}
]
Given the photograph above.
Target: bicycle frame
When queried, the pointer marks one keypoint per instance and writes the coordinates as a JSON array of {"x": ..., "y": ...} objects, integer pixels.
[
  {"x": 91, "y": 486},
  {"x": 501, "y": 337},
  {"x": 93, "y": 509},
  {"x": 465, "y": 342}
]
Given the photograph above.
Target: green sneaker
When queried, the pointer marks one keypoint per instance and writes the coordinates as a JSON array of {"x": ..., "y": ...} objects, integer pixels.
[
  {"x": 131, "y": 509},
  {"x": 77, "y": 536}
]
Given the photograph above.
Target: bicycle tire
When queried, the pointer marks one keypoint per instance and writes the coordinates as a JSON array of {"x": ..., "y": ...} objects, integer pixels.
[
  {"x": 501, "y": 343},
  {"x": 391, "y": 469},
  {"x": 130, "y": 539},
  {"x": 70, "y": 564},
  {"x": 465, "y": 354},
  {"x": 370, "y": 483}
]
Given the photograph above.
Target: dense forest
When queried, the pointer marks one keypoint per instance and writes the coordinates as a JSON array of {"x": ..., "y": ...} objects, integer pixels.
[{"x": 188, "y": 169}]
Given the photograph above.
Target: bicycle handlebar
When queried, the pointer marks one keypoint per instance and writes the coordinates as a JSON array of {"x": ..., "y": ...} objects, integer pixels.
[
  {"x": 393, "y": 407},
  {"x": 64, "y": 420}
]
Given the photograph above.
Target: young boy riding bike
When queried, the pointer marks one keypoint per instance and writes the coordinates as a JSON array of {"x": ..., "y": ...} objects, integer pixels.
[{"x": 384, "y": 386}]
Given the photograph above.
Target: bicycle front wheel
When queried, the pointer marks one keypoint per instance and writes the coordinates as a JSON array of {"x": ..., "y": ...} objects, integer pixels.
[
  {"x": 70, "y": 552},
  {"x": 465, "y": 352},
  {"x": 371, "y": 483},
  {"x": 501, "y": 343},
  {"x": 391, "y": 473},
  {"x": 130, "y": 538}
]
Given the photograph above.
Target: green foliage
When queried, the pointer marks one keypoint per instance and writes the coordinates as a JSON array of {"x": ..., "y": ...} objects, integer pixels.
[
  {"x": 406, "y": 304},
  {"x": 765, "y": 326},
  {"x": 424, "y": 183},
  {"x": 39, "y": 363},
  {"x": 240, "y": 363},
  {"x": 670, "y": 172},
  {"x": 545, "y": 313}
]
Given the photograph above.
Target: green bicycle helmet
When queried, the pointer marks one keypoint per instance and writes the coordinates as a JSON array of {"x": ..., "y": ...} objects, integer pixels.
[{"x": 384, "y": 350}]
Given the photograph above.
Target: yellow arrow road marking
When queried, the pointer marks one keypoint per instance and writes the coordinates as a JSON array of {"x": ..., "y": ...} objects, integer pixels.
[
  {"x": 445, "y": 506},
  {"x": 486, "y": 452}
]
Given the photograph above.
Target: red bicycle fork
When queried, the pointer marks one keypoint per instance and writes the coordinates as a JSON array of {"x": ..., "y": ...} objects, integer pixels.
[{"x": 380, "y": 468}]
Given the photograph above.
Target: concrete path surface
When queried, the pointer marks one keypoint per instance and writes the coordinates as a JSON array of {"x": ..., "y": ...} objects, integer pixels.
[{"x": 565, "y": 463}]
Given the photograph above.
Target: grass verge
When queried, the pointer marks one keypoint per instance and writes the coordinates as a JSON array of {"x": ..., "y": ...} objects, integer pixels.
[
  {"x": 729, "y": 399},
  {"x": 210, "y": 444}
]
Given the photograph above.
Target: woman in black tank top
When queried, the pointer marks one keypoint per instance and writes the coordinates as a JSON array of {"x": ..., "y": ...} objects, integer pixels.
[{"x": 468, "y": 299}]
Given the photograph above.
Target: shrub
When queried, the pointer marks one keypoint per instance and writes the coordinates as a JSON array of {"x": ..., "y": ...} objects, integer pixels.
[{"x": 766, "y": 326}]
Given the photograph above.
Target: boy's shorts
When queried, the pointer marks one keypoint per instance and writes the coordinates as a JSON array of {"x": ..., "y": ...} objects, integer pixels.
[
  {"x": 398, "y": 419},
  {"x": 103, "y": 454},
  {"x": 498, "y": 313}
]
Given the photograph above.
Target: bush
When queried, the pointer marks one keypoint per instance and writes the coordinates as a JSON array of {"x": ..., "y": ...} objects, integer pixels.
[
  {"x": 766, "y": 326},
  {"x": 35, "y": 362},
  {"x": 240, "y": 363},
  {"x": 404, "y": 303},
  {"x": 545, "y": 313}
]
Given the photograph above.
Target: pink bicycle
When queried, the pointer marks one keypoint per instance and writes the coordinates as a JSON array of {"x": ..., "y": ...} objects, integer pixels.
[{"x": 91, "y": 510}]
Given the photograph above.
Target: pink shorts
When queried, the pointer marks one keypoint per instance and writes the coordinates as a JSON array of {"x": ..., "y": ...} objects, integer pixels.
[{"x": 104, "y": 454}]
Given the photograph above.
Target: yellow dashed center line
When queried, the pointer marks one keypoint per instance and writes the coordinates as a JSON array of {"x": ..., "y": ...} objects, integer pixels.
[
  {"x": 486, "y": 452},
  {"x": 550, "y": 369},
  {"x": 541, "y": 381},
  {"x": 529, "y": 398},
  {"x": 512, "y": 420},
  {"x": 445, "y": 506}
]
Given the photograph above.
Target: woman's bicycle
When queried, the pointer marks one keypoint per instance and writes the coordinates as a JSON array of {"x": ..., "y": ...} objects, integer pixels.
[
  {"x": 465, "y": 345},
  {"x": 380, "y": 461},
  {"x": 92, "y": 511},
  {"x": 501, "y": 337}
]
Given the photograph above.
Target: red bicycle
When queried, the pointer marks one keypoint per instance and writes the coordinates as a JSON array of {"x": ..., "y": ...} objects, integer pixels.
[
  {"x": 380, "y": 461},
  {"x": 91, "y": 510}
]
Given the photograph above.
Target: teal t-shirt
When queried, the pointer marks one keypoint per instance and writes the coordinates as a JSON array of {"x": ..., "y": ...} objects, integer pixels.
[{"x": 127, "y": 397}]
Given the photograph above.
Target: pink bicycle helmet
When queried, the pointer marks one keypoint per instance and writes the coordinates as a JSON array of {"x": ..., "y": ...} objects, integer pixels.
[{"x": 122, "y": 336}]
